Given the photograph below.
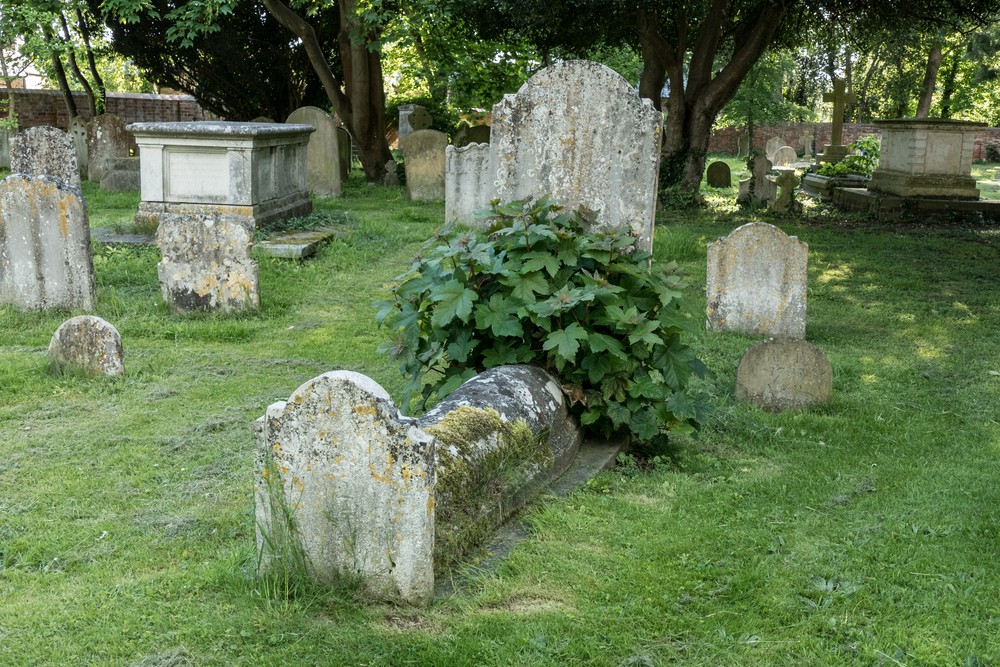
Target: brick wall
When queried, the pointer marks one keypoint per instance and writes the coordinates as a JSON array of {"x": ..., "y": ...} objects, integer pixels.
[
  {"x": 725, "y": 139},
  {"x": 46, "y": 107}
]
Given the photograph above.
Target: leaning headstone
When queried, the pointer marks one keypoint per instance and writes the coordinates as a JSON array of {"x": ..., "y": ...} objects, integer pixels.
[
  {"x": 347, "y": 485},
  {"x": 579, "y": 133},
  {"x": 424, "y": 151},
  {"x": 322, "y": 153},
  {"x": 107, "y": 139},
  {"x": 345, "y": 146},
  {"x": 786, "y": 181},
  {"x": 476, "y": 134},
  {"x": 45, "y": 259},
  {"x": 413, "y": 117},
  {"x": 78, "y": 133},
  {"x": 784, "y": 156},
  {"x": 86, "y": 344},
  {"x": 772, "y": 146},
  {"x": 756, "y": 282},
  {"x": 468, "y": 182},
  {"x": 206, "y": 263},
  {"x": 44, "y": 151},
  {"x": 719, "y": 175},
  {"x": 784, "y": 375}
]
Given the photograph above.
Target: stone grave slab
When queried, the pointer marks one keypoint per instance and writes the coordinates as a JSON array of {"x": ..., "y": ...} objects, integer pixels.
[
  {"x": 468, "y": 182},
  {"x": 930, "y": 158},
  {"x": 88, "y": 345},
  {"x": 78, "y": 133},
  {"x": 44, "y": 150},
  {"x": 784, "y": 375},
  {"x": 298, "y": 245},
  {"x": 425, "y": 164}
]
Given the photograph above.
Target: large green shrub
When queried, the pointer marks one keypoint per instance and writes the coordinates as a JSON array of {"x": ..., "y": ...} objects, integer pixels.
[
  {"x": 863, "y": 162},
  {"x": 535, "y": 287}
]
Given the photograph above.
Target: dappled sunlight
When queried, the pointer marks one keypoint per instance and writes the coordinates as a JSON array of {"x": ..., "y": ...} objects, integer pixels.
[
  {"x": 841, "y": 272},
  {"x": 928, "y": 352},
  {"x": 906, "y": 317},
  {"x": 870, "y": 379}
]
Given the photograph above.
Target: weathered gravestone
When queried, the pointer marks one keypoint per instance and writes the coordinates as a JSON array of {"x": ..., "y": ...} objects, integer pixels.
[
  {"x": 323, "y": 153},
  {"x": 425, "y": 164},
  {"x": 4, "y": 149},
  {"x": 756, "y": 282},
  {"x": 786, "y": 181},
  {"x": 86, "y": 344},
  {"x": 78, "y": 133},
  {"x": 475, "y": 134},
  {"x": 772, "y": 146},
  {"x": 784, "y": 156},
  {"x": 412, "y": 117},
  {"x": 743, "y": 146},
  {"x": 345, "y": 147},
  {"x": 468, "y": 182},
  {"x": 350, "y": 486},
  {"x": 764, "y": 190},
  {"x": 719, "y": 175},
  {"x": 107, "y": 139},
  {"x": 806, "y": 141},
  {"x": 45, "y": 259},
  {"x": 579, "y": 133},
  {"x": 122, "y": 174},
  {"x": 206, "y": 263},
  {"x": 784, "y": 375},
  {"x": 44, "y": 151}
]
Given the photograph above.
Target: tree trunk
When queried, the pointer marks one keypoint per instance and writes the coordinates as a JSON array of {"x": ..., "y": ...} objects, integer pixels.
[
  {"x": 75, "y": 66},
  {"x": 101, "y": 94},
  {"x": 60, "y": 74},
  {"x": 930, "y": 80},
  {"x": 948, "y": 85},
  {"x": 863, "y": 115}
]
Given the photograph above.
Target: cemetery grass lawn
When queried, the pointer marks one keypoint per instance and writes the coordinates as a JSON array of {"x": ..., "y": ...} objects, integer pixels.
[{"x": 863, "y": 532}]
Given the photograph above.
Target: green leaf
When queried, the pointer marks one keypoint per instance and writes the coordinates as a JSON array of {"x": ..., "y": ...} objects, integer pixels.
[
  {"x": 597, "y": 366},
  {"x": 537, "y": 260},
  {"x": 461, "y": 346},
  {"x": 566, "y": 342},
  {"x": 619, "y": 414},
  {"x": 603, "y": 343},
  {"x": 453, "y": 300},
  {"x": 644, "y": 423},
  {"x": 643, "y": 331},
  {"x": 526, "y": 286},
  {"x": 499, "y": 315},
  {"x": 682, "y": 406}
]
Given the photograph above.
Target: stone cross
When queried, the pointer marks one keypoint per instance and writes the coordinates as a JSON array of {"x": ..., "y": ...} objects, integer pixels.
[
  {"x": 840, "y": 99},
  {"x": 786, "y": 181}
]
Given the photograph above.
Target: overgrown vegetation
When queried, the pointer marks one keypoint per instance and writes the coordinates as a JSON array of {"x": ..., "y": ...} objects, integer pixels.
[{"x": 863, "y": 162}]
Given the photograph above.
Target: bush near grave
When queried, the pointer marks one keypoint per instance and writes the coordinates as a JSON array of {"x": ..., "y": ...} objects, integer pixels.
[{"x": 536, "y": 287}]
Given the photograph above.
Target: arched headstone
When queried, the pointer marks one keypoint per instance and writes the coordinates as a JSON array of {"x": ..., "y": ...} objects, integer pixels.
[
  {"x": 322, "y": 153},
  {"x": 719, "y": 175},
  {"x": 86, "y": 344},
  {"x": 784, "y": 156}
]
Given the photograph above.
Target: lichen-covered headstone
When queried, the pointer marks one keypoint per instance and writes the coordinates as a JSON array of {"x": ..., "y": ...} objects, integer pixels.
[
  {"x": 425, "y": 164},
  {"x": 78, "y": 133},
  {"x": 45, "y": 259},
  {"x": 784, "y": 375},
  {"x": 468, "y": 182},
  {"x": 784, "y": 156},
  {"x": 772, "y": 146},
  {"x": 756, "y": 282},
  {"x": 107, "y": 139},
  {"x": 206, "y": 263},
  {"x": 87, "y": 344},
  {"x": 44, "y": 150},
  {"x": 322, "y": 153},
  {"x": 719, "y": 175},
  {"x": 580, "y": 134}
]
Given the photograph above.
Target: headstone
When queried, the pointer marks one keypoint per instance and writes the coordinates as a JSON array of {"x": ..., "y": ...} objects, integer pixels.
[
  {"x": 323, "y": 153},
  {"x": 836, "y": 151},
  {"x": 4, "y": 149},
  {"x": 806, "y": 141},
  {"x": 45, "y": 259},
  {"x": 424, "y": 151},
  {"x": 756, "y": 282},
  {"x": 86, "y": 344},
  {"x": 206, "y": 263},
  {"x": 784, "y": 375},
  {"x": 44, "y": 151},
  {"x": 764, "y": 190},
  {"x": 391, "y": 177},
  {"x": 107, "y": 139},
  {"x": 345, "y": 145},
  {"x": 786, "y": 181},
  {"x": 122, "y": 174},
  {"x": 475, "y": 134},
  {"x": 784, "y": 156},
  {"x": 468, "y": 182},
  {"x": 347, "y": 485},
  {"x": 743, "y": 146},
  {"x": 262, "y": 119},
  {"x": 78, "y": 133},
  {"x": 719, "y": 175},
  {"x": 579, "y": 133},
  {"x": 413, "y": 117},
  {"x": 930, "y": 158},
  {"x": 772, "y": 146}
]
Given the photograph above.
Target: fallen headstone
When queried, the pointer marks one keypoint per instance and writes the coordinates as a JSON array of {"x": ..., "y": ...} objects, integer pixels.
[
  {"x": 87, "y": 344},
  {"x": 784, "y": 375},
  {"x": 297, "y": 245}
]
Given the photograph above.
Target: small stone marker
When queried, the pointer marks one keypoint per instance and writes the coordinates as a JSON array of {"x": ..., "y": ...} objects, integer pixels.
[
  {"x": 772, "y": 146},
  {"x": 784, "y": 375},
  {"x": 391, "y": 174},
  {"x": 297, "y": 245},
  {"x": 719, "y": 175},
  {"x": 425, "y": 164},
  {"x": 45, "y": 259},
  {"x": 206, "y": 263},
  {"x": 87, "y": 344},
  {"x": 322, "y": 152},
  {"x": 468, "y": 182},
  {"x": 412, "y": 117},
  {"x": 78, "y": 133},
  {"x": 47, "y": 151},
  {"x": 786, "y": 181},
  {"x": 756, "y": 282},
  {"x": 107, "y": 139},
  {"x": 784, "y": 156}
]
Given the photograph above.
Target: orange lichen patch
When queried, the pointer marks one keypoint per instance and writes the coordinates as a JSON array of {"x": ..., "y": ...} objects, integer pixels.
[
  {"x": 364, "y": 410},
  {"x": 64, "y": 217},
  {"x": 407, "y": 474}
]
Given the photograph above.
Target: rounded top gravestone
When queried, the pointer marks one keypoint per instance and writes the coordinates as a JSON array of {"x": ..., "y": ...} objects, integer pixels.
[
  {"x": 87, "y": 344},
  {"x": 784, "y": 155},
  {"x": 719, "y": 175},
  {"x": 322, "y": 153}
]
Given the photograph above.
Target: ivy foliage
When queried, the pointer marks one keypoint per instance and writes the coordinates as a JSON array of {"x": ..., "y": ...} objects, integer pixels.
[
  {"x": 864, "y": 161},
  {"x": 535, "y": 287}
]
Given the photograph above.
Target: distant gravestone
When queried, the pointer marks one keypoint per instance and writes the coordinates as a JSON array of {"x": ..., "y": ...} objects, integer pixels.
[
  {"x": 45, "y": 259},
  {"x": 78, "y": 133},
  {"x": 806, "y": 140},
  {"x": 719, "y": 175},
  {"x": 468, "y": 182},
  {"x": 86, "y": 344},
  {"x": 4, "y": 149},
  {"x": 107, "y": 139},
  {"x": 322, "y": 153},
  {"x": 476, "y": 134},
  {"x": 786, "y": 181},
  {"x": 784, "y": 156},
  {"x": 345, "y": 146},
  {"x": 44, "y": 150},
  {"x": 413, "y": 117},
  {"x": 772, "y": 146},
  {"x": 262, "y": 119},
  {"x": 579, "y": 133},
  {"x": 391, "y": 177},
  {"x": 764, "y": 190},
  {"x": 122, "y": 174},
  {"x": 206, "y": 263},
  {"x": 425, "y": 163},
  {"x": 756, "y": 282},
  {"x": 784, "y": 375},
  {"x": 743, "y": 146}
]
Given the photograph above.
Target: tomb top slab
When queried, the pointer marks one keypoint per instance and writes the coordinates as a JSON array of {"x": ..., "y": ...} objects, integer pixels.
[{"x": 219, "y": 127}]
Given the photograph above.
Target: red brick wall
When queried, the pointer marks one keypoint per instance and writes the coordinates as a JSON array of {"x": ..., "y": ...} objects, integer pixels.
[
  {"x": 46, "y": 107},
  {"x": 724, "y": 139}
]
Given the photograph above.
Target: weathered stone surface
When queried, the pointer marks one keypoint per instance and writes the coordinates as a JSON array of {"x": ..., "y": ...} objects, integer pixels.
[
  {"x": 121, "y": 174},
  {"x": 47, "y": 151},
  {"x": 425, "y": 164},
  {"x": 743, "y": 146},
  {"x": 78, "y": 133},
  {"x": 468, "y": 182},
  {"x": 4, "y": 149},
  {"x": 756, "y": 282},
  {"x": 87, "y": 344},
  {"x": 323, "y": 152},
  {"x": 784, "y": 375},
  {"x": 926, "y": 158},
  {"x": 357, "y": 488},
  {"x": 298, "y": 245},
  {"x": 206, "y": 263},
  {"x": 787, "y": 180},
  {"x": 719, "y": 175},
  {"x": 764, "y": 190},
  {"x": 835, "y": 151},
  {"x": 107, "y": 139},
  {"x": 772, "y": 146},
  {"x": 475, "y": 134},
  {"x": 45, "y": 259},
  {"x": 579, "y": 133},
  {"x": 784, "y": 156},
  {"x": 412, "y": 117},
  {"x": 345, "y": 147},
  {"x": 391, "y": 174}
]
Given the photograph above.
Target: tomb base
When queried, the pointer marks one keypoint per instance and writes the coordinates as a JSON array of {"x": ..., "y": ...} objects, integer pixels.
[
  {"x": 903, "y": 184},
  {"x": 833, "y": 153},
  {"x": 259, "y": 215},
  {"x": 892, "y": 207}
]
